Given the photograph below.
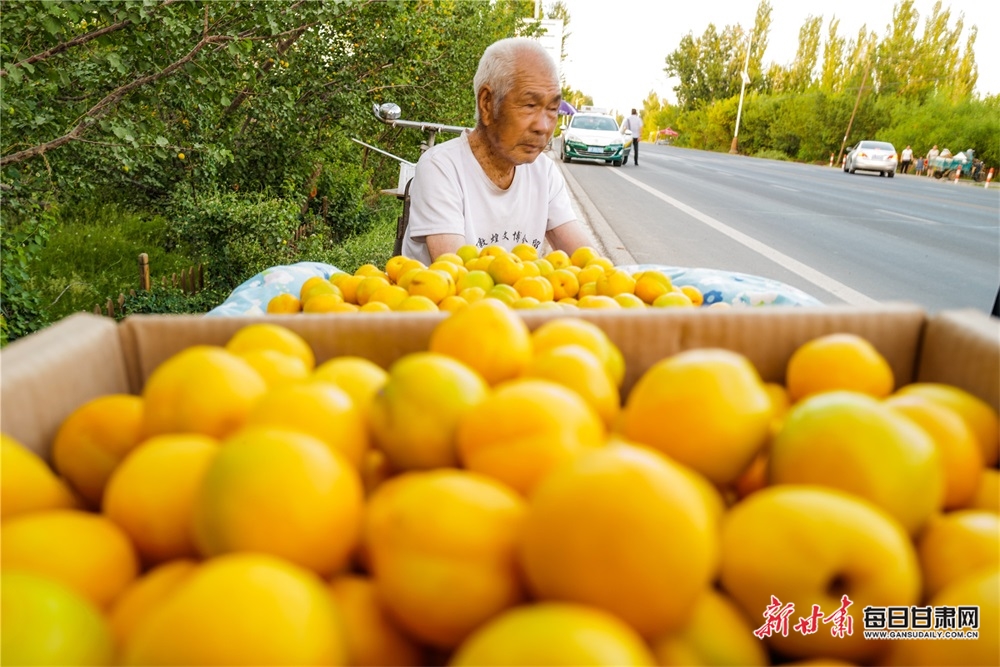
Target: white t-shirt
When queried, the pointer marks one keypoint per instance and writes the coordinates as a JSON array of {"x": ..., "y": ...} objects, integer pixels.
[
  {"x": 634, "y": 123},
  {"x": 451, "y": 194}
]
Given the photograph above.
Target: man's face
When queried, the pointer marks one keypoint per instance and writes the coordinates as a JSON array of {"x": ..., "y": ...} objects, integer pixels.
[{"x": 527, "y": 116}]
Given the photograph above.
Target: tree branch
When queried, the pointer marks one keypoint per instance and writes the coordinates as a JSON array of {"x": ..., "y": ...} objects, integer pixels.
[
  {"x": 82, "y": 39},
  {"x": 266, "y": 67},
  {"x": 101, "y": 107}
]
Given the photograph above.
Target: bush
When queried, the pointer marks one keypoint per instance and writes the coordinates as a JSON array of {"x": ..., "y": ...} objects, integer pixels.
[
  {"x": 345, "y": 188},
  {"x": 90, "y": 256},
  {"x": 26, "y": 226},
  {"x": 161, "y": 299},
  {"x": 373, "y": 246},
  {"x": 771, "y": 154},
  {"x": 235, "y": 235}
]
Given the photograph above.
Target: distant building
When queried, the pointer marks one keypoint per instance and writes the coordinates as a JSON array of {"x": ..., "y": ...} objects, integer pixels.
[{"x": 551, "y": 39}]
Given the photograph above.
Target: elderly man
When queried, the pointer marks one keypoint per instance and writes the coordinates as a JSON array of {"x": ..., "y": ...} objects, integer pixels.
[{"x": 488, "y": 187}]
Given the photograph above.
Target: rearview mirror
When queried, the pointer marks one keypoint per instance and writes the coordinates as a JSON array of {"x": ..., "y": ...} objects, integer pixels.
[
  {"x": 628, "y": 133},
  {"x": 387, "y": 111},
  {"x": 562, "y": 128}
]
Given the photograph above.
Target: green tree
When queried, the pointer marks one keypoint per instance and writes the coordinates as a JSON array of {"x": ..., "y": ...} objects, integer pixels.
[
  {"x": 759, "y": 79},
  {"x": 967, "y": 72},
  {"x": 895, "y": 55},
  {"x": 657, "y": 114},
  {"x": 832, "y": 68},
  {"x": 800, "y": 73},
  {"x": 709, "y": 66},
  {"x": 576, "y": 97},
  {"x": 141, "y": 82},
  {"x": 159, "y": 102},
  {"x": 933, "y": 69}
]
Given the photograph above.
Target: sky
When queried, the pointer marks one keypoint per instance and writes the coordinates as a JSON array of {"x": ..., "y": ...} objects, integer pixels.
[{"x": 620, "y": 74}]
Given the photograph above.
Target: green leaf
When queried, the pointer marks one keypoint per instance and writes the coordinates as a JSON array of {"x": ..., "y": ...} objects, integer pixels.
[
  {"x": 225, "y": 101},
  {"x": 15, "y": 75},
  {"x": 52, "y": 26},
  {"x": 161, "y": 141},
  {"x": 116, "y": 62}
]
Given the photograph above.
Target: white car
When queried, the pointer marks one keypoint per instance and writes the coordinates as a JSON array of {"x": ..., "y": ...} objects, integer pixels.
[
  {"x": 595, "y": 136},
  {"x": 877, "y": 156}
]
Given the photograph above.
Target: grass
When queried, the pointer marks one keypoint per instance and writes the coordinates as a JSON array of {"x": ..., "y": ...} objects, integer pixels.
[
  {"x": 371, "y": 247},
  {"x": 772, "y": 154},
  {"x": 92, "y": 253}
]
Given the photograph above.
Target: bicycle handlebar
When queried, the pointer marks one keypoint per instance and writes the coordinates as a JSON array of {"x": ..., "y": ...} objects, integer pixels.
[{"x": 389, "y": 113}]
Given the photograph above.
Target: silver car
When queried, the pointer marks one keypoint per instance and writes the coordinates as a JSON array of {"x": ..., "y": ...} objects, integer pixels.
[{"x": 877, "y": 156}]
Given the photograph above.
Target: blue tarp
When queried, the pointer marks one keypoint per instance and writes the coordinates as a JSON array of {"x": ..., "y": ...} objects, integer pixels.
[
  {"x": 737, "y": 289},
  {"x": 251, "y": 297}
]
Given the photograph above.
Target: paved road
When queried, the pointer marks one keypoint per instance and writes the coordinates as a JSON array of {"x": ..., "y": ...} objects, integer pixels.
[{"x": 843, "y": 238}]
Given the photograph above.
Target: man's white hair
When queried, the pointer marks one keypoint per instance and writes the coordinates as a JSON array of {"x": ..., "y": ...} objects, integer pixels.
[{"x": 499, "y": 63}]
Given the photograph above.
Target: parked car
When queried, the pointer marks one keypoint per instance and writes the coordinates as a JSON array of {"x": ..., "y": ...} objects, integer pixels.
[
  {"x": 595, "y": 136},
  {"x": 877, "y": 156}
]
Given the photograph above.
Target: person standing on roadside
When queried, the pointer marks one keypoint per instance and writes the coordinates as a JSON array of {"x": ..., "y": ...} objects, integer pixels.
[
  {"x": 634, "y": 124},
  {"x": 906, "y": 159},
  {"x": 931, "y": 154}
]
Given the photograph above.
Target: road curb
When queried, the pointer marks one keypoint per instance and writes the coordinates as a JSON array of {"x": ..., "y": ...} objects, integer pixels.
[{"x": 610, "y": 245}]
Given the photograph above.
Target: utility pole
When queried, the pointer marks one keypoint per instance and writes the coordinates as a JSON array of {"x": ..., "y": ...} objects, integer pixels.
[
  {"x": 743, "y": 87},
  {"x": 864, "y": 78}
]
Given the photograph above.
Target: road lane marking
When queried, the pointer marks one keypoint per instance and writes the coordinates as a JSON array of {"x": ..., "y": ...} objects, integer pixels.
[
  {"x": 821, "y": 280},
  {"x": 782, "y": 187},
  {"x": 909, "y": 217}
]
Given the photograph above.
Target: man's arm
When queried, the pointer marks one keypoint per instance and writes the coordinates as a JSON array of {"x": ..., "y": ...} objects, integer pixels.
[
  {"x": 439, "y": 244},
  {"x": 568, "y": 237}
]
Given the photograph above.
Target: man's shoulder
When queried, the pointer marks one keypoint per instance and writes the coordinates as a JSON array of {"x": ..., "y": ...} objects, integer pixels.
[{"x": 446, "y": 150}]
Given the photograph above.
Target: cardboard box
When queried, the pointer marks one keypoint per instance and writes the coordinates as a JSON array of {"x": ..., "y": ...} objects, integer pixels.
[{"x": 43, "y": 377}]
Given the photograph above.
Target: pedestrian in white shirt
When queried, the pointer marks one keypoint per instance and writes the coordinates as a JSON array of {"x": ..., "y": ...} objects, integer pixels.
[
  {"x": 906, "y": 159},
  {"x": 634, "y": 124}
]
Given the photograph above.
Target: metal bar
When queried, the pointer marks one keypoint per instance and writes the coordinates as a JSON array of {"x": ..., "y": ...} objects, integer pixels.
[
  {"x": 427, "y": 127},
  {"x": 386, "y": 153}
]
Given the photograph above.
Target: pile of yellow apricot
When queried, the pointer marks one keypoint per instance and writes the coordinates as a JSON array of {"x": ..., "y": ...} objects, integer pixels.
[{"x": 519, "y": 278}]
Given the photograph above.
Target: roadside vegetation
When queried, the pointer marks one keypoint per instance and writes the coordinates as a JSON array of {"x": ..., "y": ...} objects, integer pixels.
[
  {"x": 219, "y": 133},
  {"x": 912, "y": 85},
  {"x": 208, "y": 133}
]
